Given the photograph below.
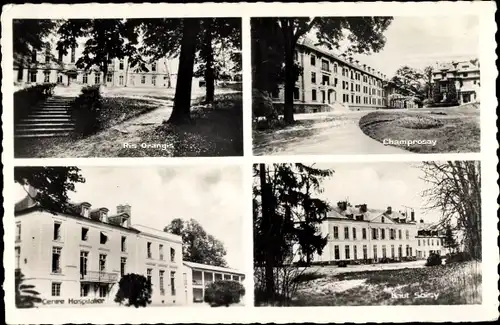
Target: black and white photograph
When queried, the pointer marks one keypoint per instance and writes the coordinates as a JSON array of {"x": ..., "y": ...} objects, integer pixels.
[
  {"x": 367, "y": 234},
  {"x": 127, "y": 87},
  {"x": 365, "y": 85},
  {"x": 129, "y": 236}
]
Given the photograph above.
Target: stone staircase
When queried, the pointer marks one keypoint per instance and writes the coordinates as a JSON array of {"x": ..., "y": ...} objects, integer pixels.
[{"x": 51, "y": 118}]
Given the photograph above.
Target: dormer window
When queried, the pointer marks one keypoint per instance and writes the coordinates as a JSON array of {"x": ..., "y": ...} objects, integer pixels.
[{"x": 85, "y": 211}]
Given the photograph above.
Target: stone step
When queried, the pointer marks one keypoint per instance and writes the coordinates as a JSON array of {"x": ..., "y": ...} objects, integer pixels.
[
  {"x": 44, "y": 130},
  {"x": 48, "y": 115},
  {"x": 42, "y": 135},
  {"x": 46, "y": 120},
  {"x": 42, "y": 125},
  {"x": 50, "y": 111}
]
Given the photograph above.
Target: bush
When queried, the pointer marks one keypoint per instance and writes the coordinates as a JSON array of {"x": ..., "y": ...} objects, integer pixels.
[
  {"x": 27, "y": 98},
  {"x": 134, "y": 290},
  {"x": 458, "y": 257},
  {"x": 433, "y": 260},
  {"x": 428, "y": 102},
  {"x": 224, "y": 293},
  {"x": 87, "y": 110},
  {"x": 342, "y": 264}
]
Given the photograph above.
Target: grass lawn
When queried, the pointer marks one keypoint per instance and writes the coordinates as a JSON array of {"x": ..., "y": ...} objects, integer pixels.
[
  {"x": 452, "y": 284},
  {"x": 455, "y": 129}
]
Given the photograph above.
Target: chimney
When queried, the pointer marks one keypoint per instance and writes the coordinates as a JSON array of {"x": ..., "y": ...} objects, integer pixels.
[
  {"x": 342, "y": 205},
  {"x": 389, "y": 210},
  {"x": 357, "y": 62},
  {"x": 362, "y": 207},
  {"x": 412, "y": 216}
]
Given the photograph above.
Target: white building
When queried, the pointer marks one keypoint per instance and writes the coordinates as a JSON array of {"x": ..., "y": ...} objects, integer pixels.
[
  {"x": 465, "y": 75},
  {"x": 78, "y": 256}
]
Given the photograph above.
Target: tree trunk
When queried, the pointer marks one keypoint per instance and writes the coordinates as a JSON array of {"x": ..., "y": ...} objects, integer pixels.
[
  {"x": 266, "y": 220},
  {"x": 182, "y": 100},
  {"x": 209, "y": 61},
  {"x": 289, "y": 76},
  {"x": 20, "y": 69}
]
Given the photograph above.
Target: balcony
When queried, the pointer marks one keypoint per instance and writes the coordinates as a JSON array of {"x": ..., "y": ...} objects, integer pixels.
[{"x": 99, "y": 277}]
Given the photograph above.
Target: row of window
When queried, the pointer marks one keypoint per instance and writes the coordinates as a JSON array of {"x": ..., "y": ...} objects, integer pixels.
[
  {"x": 430, "y": 242},
  {"x": 161, "y": 278},
  {"x": 375, "y": 250},
  {"x": 356, "y": 99},
  {"x": 377, "y": 233}
]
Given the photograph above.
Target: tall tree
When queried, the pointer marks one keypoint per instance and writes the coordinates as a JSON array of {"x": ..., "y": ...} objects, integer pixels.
[
  {"x": 51, "y": 183},
  {"x": 409, "y": 81},
  {"x": 428, "y": 81},
  {"x": 450, "y": 242},
  {"x": 27, "y": 37},
  {"x": 364, "y": 34},
  {"x": 197, "y": 245},
  {"x": 105, "y": 40},
  {"x": 134, "y": 290},
  {"x": 287, "y": 216},
  {"x": 455, "y": 191}
]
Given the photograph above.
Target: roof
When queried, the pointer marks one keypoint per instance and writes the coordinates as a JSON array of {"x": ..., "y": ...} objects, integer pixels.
[
  {"x": 157, "y": 233},
  {"x": 309, "y": 43},
  {"x": 194, "y": 265},
  {"x": 368, "y": 216}
]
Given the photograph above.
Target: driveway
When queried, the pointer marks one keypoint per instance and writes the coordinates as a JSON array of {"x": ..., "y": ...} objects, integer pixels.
[{"x": 321, "y": 133}]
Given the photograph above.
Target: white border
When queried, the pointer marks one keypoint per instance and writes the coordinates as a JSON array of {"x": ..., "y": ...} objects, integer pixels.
[{"x": 247, "y": 314}]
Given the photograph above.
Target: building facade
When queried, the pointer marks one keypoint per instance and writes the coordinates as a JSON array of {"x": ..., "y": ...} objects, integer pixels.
[
  {"x": 53, "y": 66},
  {"x": 365, "y": 235},
  {"x": 328, "y": 79},
  {"x": 77, "y": 257},
  {"x": 464, "y": 75}
]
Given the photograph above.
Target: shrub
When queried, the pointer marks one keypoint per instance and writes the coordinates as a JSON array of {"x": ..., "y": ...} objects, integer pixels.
[
  {"x": 458, "y": 257},
  {"x": 87, "y": 110},
  {"x": 224, "y": 293},
  {"x": 134, "y": 290},
  {"x": 342, "y": 264},
  {"x": 306, "y": 277},
  {"x": 25, "y": 99},
  {"x": 433, "y": 260},
  {"x": 428, "y": 102}
]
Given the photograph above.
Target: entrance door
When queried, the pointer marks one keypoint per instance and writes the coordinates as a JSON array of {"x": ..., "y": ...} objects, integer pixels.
[
  {"x": 466, "y": 98},
  {"x": 323, "y": 96}
]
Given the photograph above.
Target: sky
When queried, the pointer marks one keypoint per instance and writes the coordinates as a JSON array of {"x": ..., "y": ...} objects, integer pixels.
[
  {"x": 421, "y": 41},
  {"x": 211, "y": 195},
  {"x": 379, "y": 185}
]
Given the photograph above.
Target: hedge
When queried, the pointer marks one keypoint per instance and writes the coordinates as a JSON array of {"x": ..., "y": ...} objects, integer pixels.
[
  {"x": 87, "y": 110},
  {"x": 26, "y": 99},
  {"x": 224, "y": 293}
]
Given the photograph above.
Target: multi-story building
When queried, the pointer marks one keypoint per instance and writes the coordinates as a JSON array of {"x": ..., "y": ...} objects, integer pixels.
[
  {"x": 328, "y": 79},
  {"x": 464, "y": 75},
  {"x": 78, "y": 256},
  {"x": 359, "y": 233},
  {"x": 430, "y": 239},
  {"x": 51, "y": 65}
]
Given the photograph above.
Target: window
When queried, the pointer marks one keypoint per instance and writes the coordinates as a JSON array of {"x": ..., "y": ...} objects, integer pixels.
[
  {"x": 34, "y": 56},
  {"x": 120, "y": 80},
  {"x": 172, "y": 283},
  {"x": 103, "y": 238},
  {"x": 46, "y": 76},
  {"x": 337, "y": 252},
  {"x": 124, "y": 244},
  {"x": 428, "y": 242},
  {"x": 84, "y": 289},
  {"x": 143, "y": 79},
  {"x": 296, "y": 93},
  {"x": 313, "y": 60},
  {"x": 59, "y": 79},
  {"x": 355, "y": 252},
  {"x": 374, "y": 233},
  {"x": 423, "y": 242},
  {"x": 392, "y": 251},
  {"x": 109, "y": 77},
  {"x": 375, "y": 256},
  {"x": 384, "y": 251},
  {"x": 347, "y": 252},
  {"x": 18, "y": 232},
  {"x": 335, "y": 68},
  {"x": 84, "y": 258},
  {"x": 18, "y": 257},
  {"x": 383, "y": 219},
  {"x": 354, "y": 233},
  {"x": 33, "y": 74},
  {"x": 162, "y": 286},
  {"x": 172, "y": 255},
  {"x": 432, "y": 242},
  {"x": 160, "y": 249},
  {"x": 325, "y": 80},
  {"x": 400, "y": 234},
  {"x": 102, "y": 262},
  {"x": 56, "y": 289},
  {"x": 392, "y": 233},
  {"x": 85, "y": 79},
  {"x": 97, "y": 78},
  {"x": 123, "y": 266},
  {"x": 400, "y": 251},
  {"x": 153, "y": 67},
  {"x": 365, "y": 252},
  {"x": 56, "y": 259},
  {"x": 153, "y": 80},
  {"x": 407, "y": 234},
  {"x": 313, "y": 77},
  {"x": 382, "y": 234},
  {"x": 346, "y": 232},
  {"x": 363, "y": 233},
  {"x": 325, "y": 65},
  {"x": 121, "y": 65},
  {"x": 314, "y": 95},
  {"x": 335, "y": 232},
  {"x": 73, "y": 54},
  {"x": 85, "y": 234},
  {"x": 149, "y": 250},
  {"x": 418, "y": 243},
  {"x": 103, "y": 291}
]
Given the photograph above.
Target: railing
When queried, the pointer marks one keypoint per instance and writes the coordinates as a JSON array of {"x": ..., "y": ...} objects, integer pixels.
[{"x": 98, "y": 276}]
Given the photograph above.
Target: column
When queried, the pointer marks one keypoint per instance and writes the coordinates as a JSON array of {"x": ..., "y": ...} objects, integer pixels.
[{"x": 203, "y": 285}]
